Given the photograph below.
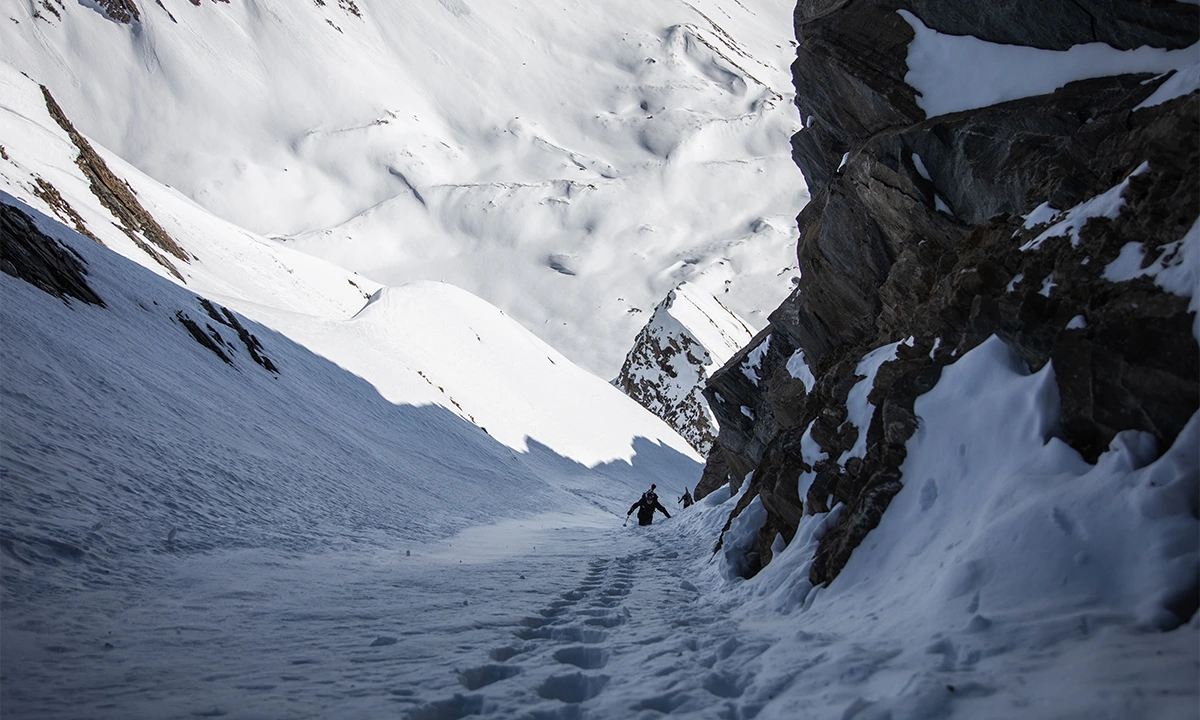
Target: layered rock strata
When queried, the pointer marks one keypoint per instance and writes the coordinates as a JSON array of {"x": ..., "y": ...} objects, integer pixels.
[
  {"x": 924, "y": 237},
  {"x": 115, "y": 195}
]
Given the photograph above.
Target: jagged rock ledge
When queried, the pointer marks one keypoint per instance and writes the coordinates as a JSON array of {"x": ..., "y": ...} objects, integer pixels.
[{"x": 925, "y": 237}]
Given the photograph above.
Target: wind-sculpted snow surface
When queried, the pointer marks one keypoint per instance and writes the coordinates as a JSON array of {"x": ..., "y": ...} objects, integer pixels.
[
  {"x": 596, "y": 154},
  {"x": 427, "y": 343},
  {"x": 149, "y": 436}
]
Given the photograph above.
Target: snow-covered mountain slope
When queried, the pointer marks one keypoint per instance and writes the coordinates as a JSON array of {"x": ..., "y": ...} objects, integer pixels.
[
  {"x": 43, "y": 164},
  {"x": 424, "y": 343},
  {"x": 377, "y": 414},
  {"x": 158, "y": 388},
  {"x": 165, "y": 460},
  {"x": 690, "y": 335},
  {"x": 570, "y": 162}
]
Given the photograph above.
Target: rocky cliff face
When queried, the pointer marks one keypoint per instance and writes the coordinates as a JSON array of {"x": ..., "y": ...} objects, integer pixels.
[
  {"x": 1065, "y": 223},
  {"x": 689, "y": 336}
]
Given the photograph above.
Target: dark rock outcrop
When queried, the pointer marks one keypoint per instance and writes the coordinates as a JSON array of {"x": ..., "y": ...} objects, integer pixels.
[
  {"x": 50, "y": 195},
  {"x": 851, "y": 60},
  {"x": 211, "y": 338},
  {"x": 33, "y": 256},
  {"x": 689, "y": 335},
  {"x": 224, "y": 316},
  {"x": 123, "y": 11},
  {"x": 917, "y": 232}
]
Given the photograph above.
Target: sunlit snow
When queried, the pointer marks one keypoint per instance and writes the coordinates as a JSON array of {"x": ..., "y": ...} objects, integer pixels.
[
  {"x": 420, "y": 514},
  {"x": 564, "y": 160}
]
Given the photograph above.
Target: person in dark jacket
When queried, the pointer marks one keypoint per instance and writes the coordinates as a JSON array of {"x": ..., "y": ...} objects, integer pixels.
[
  {"x": 687, "y": 498},
  {"x": 646, "y": 507}
]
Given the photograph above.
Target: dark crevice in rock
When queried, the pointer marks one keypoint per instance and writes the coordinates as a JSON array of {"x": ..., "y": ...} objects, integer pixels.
[{"x": 31, "y": 255}]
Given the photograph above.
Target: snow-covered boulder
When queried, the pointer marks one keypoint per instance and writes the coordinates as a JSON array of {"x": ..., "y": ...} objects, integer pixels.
[{"x": 689, "y": 336}]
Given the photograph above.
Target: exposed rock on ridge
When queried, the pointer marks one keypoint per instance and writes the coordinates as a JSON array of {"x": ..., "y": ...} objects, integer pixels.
[
  {"x": 125, "y": 11},
  {"x": 116, "y": 195},
  {"x": 689, "y": 335},
  {"x": 916, "y": 231}
]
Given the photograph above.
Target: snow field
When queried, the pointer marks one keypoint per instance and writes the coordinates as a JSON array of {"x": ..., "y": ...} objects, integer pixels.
[
  {"x": 408, "y": 345},
  {"x": 566, "y": 161},
  {"x": 156, "y": 493}
]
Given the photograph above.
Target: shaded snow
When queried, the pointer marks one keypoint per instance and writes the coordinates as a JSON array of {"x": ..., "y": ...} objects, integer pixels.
[
  {"x": 1008, "y": 575},
  {"x": 797, "y": 367},
  {"x": 1107, "y": 204},
  {"x": 751, "y": 366},
  {"x": 859, "y": 409},
  {"x": 1176, "y": 270},
  {"x": 1182, "y": 82},
  {"x": 159, "y": 491},
  {"x": 242, "y": 543}
]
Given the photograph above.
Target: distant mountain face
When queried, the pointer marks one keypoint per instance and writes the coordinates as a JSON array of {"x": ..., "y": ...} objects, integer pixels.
[
  {"x": 569, "y": 162},
  {"x": 421, "y": 344},
  {"x": 688, "y": 337}
]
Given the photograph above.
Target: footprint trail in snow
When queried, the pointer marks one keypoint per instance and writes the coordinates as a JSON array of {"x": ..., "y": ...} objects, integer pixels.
[{"x": 631, "y": 638}]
